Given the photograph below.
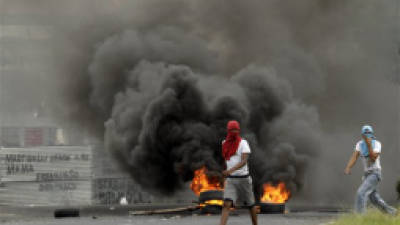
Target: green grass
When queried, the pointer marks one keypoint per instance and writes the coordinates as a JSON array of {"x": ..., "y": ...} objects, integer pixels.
[{"x": 373, "y": 217}]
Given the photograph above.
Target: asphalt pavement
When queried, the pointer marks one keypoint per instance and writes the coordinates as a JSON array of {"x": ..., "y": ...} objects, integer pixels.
[
  {"x": 120, "y": 216},
  {"x": 287, "y": 219}
]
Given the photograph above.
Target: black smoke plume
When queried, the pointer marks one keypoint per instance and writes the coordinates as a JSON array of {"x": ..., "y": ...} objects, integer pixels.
[
  {"x": 159, "y": 79},
  {"x": 167, "y": 111}
]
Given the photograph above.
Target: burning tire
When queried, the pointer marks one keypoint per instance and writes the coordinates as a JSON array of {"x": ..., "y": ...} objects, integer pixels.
[
  {"x": 211, "y": 202},
  {"x": 211, "y": 195},
  {"x": 273, "y": 198},
  {"x": 272, "y": 208},
  {"x": 209, "y": 190}
]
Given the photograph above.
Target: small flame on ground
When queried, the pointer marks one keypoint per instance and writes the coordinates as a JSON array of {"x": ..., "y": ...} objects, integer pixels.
[
  {"x": 275, "y": 194},
  {"x": 201, "y": 182},
  {"x": 212, "y": 202}
]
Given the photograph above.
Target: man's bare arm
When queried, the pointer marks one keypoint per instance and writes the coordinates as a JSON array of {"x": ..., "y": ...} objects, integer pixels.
[
  {"x": 245, "y": 157},
  {"x": 352, "y": 161}
]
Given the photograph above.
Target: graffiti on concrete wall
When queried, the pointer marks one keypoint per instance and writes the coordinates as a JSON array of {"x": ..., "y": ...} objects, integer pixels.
[
  {"x": 46, "y": 175},
  {"x": 112, "y": 190}
]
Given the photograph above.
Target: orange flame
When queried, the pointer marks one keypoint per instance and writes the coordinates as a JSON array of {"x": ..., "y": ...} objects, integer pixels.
[
  {"x": 201, "y": 182},
  {"x": 275, "y": 194},
  {"x": 212, "y": 202}
]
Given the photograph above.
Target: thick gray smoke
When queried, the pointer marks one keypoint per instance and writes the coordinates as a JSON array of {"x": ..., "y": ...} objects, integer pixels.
[{"x": 301, "y": 77}]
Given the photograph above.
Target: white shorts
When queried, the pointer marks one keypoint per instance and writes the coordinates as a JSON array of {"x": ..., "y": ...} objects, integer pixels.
[{"x": 240, "y": 191}]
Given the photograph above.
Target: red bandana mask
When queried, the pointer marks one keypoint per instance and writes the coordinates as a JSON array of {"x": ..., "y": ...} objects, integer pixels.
[{"x": 232, "y": 140}]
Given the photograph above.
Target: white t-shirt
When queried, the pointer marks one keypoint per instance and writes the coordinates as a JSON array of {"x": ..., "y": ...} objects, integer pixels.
[
  {"x": 368, "y": 165},
  {"x": 237, "y": 158}
]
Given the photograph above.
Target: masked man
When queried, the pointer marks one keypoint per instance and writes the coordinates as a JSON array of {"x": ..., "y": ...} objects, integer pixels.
[
  {"x": 238, "y": 186},
  {"x": 370, "y": 149}
]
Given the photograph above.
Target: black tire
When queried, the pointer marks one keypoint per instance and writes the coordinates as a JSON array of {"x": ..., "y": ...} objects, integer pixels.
[
  {"x": 271, "y": 208},
  {"x": 61, "y": 213},
  {"x": 211, "y": 195}
]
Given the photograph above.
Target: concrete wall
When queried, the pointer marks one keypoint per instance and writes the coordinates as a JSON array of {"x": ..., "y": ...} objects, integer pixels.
[{"x": 52, "y": 175}]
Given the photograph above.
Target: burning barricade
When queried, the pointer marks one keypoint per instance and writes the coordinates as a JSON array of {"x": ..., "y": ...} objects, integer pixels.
[
  {"x": 273, "y": 198},
  {"x": 209, "y": 189}
]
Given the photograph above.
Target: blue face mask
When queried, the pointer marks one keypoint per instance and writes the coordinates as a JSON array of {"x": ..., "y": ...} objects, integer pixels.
[
  {"x": 368, "y": 132},
  {"x": 364, "y": 148}
]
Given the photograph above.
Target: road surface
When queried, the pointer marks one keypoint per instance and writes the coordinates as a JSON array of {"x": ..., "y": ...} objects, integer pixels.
[{"x": 304, "y": 218}]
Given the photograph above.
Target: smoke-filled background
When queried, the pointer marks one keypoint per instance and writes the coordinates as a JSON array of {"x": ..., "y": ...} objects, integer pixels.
[{"x": 158, "y": 80}]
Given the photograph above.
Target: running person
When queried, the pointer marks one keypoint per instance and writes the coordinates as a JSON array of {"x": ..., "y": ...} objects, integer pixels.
[
  {"x": 369, "y": 148},
  {"x": 238, "y": 186}
]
